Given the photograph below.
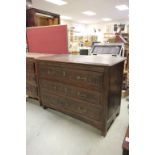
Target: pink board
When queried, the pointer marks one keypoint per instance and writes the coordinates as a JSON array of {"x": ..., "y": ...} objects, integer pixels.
[{"x": 47, "y": 39}]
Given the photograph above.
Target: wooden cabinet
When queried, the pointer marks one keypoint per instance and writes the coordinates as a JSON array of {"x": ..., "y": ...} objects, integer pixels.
[
  {"x": 31, "y": 75},
  {"x": 36, "y": 17},
  {"x": 31, "y": 81},
  {"x": 84, "y": 87}
]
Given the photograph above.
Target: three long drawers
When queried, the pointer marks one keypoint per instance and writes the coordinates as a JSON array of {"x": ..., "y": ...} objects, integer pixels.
[
  {"x": 90, "y": 92},
  {"x": 77, "y": 92}
]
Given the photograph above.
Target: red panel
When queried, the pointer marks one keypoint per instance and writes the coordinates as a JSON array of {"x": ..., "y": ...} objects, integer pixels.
[{"x": 47, "y": 39}]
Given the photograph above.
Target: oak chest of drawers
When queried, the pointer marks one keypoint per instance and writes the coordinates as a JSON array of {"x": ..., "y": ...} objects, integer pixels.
[{"x": 85, "y": 87}]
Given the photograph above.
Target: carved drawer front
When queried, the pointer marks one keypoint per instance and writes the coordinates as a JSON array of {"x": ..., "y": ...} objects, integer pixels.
[
  {"x": 31, "y": 91},
  {"x": 82, "y": 94},
  {"x": 76, "y": 77},
  {"x": 71, "y": 105}
]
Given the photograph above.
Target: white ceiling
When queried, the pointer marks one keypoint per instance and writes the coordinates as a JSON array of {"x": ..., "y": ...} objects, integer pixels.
[{"x": 74, "y": 9}]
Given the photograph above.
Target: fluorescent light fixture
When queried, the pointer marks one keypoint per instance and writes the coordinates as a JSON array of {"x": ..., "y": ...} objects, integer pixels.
[
  {"x": 106, "y": 19},
  {"x": 65, "y": 17},
  {"x": 57, "y": 2},
  {"x": 122, "y": 7},
  {"x": 89, "y": 13}
]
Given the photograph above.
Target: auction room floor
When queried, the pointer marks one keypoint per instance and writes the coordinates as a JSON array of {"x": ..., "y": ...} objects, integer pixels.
[{"x": 53, "y": 133}]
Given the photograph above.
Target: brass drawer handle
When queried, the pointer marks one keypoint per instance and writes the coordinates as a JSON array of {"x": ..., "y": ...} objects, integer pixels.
[
  {"x": 66, "y": 90},
  {"x": 50, "y": 72},
  {"x": 81, "y": 78},
  {"x": 55, "y": 88},
  {"x": 81, "y": 95},
  {"x": 82, "y": 109},
  {"x": 64, "y": 73},
  {"x": 66, "y": 104}
]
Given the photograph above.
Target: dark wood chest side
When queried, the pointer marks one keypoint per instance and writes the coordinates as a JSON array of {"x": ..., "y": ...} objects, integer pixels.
[
  {"x": 91, "y": 94},
  {"x": 114, "y": 95},
  {"x": 31, "y": 78}
]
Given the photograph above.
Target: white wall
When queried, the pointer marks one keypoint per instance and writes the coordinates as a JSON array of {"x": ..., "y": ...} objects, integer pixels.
[{"x": 80, "y": 29}]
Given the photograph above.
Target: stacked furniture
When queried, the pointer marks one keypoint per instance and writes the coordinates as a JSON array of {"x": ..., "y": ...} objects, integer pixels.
[{"x": 84, "y": 87}]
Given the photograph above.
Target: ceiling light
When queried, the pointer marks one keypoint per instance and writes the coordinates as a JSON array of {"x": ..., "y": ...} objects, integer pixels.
[
  {"x": 65, "y": 17},
  {"x": 122, "y": 7},
  {"x": 106, "y": 19},
  {"x": 57, "y": 2},
  {"x": 89, "y": 13}
]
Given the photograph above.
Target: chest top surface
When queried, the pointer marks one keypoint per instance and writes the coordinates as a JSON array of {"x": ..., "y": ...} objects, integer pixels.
[
  {"x": 37, "y": 55},
  {"x": 101, "y": 60}
]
